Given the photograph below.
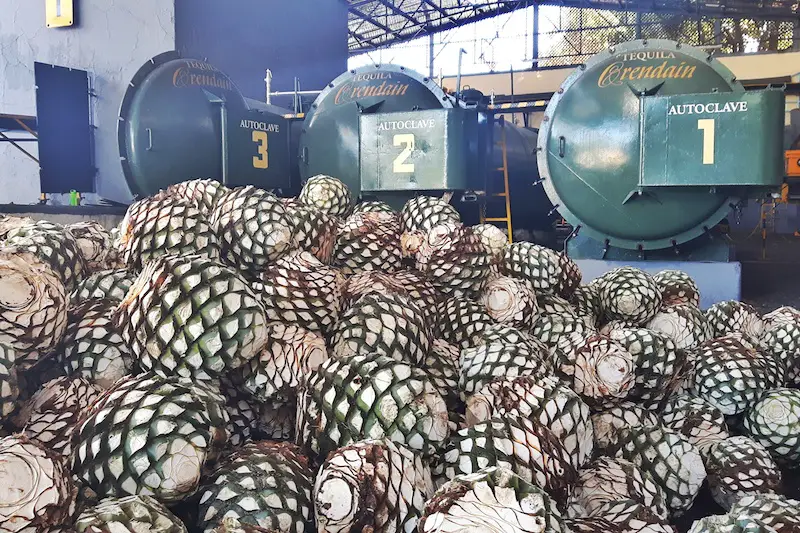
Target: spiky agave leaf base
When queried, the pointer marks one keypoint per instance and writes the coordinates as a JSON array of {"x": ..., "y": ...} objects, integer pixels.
[
  {"x": 372, "y": 485},
  {"x": 492, "y": 500}
]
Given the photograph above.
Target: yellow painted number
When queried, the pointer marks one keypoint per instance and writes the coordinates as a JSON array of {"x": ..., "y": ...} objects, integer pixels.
[
  {"x": 262, "y": 159},
  {"x": 707, "y": 126},
  {"x": 407, "y": 140}
]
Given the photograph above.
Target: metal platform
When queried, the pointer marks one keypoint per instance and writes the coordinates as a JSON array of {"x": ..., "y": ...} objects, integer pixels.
[{"x": 16, "y": 129}]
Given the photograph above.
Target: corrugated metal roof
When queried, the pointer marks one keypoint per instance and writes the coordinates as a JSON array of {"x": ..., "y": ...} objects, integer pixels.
[{"x": 377, "y": 23}]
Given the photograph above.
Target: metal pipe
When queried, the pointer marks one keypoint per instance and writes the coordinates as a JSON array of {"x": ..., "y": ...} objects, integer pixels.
[
  {"x": 458, "y": 78},
  {"x": 535, "y": 32},
  {"x": 18, "y": 147},
  {"x": 292, "y": 93},
  {"x": 268, "y": 82},
  {"x": 298, "y": 103},
  {"x": 25, "y": 127},
  {"x": 431, "y": 56},
  {"x": 223, "y": 119},
  {"x": 513, "y": 116}
]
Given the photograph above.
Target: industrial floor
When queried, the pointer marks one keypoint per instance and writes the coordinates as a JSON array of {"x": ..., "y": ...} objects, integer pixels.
[{"x": 772, "y": 282}]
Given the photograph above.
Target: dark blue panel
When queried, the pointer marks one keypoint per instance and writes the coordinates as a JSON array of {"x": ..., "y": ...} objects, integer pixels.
[
  {"x": 66, "y": 152},
  {"x": 243, "y": 38}
]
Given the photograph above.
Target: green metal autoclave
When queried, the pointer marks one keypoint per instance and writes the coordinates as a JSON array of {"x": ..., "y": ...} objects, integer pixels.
[{"x": 649, "y": 145}]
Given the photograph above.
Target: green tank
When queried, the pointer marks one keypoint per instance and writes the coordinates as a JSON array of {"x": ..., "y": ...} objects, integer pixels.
[
  {"x": 182, "y": 118},
  {"x": 330, "y": 138},
  {"x": 342, "y": 127},
  {"x": 650, "y": 144}
]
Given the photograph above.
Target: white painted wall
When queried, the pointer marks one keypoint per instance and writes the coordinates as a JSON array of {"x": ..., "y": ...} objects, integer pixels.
[{"x": 114, "y": 38}]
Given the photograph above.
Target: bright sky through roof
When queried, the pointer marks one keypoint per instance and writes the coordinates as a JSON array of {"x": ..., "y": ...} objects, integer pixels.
[{"x": 496, "y": 44}]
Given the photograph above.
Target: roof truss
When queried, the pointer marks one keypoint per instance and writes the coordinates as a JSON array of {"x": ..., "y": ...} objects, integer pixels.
[{"x": 377, "y": 23}]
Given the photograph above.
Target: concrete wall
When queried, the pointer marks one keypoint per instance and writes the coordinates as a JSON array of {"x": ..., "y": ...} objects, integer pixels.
[
  {"x": 244, "y": 38},
  {"x": 113, "y": 39}
]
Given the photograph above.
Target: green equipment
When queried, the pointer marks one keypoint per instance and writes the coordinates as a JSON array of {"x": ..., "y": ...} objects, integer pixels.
[
  {"x": 649, "y": 145},
  {"x": 182, "y": 119}
]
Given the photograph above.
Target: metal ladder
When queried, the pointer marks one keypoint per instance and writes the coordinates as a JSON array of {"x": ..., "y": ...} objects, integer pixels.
[{"x": 505, "y": 194}]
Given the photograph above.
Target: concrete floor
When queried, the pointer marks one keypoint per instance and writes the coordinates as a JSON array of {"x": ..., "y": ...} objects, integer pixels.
[{"x": 772, "y": 282}]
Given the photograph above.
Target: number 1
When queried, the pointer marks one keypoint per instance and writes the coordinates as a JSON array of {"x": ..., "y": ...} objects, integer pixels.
[
  {"x": 400, "y": 165},
  {"x": 707, "y": 125},
  {"x": 262, "y": 159}
]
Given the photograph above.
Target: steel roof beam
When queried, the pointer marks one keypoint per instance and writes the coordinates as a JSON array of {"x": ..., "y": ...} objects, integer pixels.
[
  {"x": 506, "y": 7},
  {"x": 389, "y": 4},
  {"x": 461, "y": 14},
  {"x": 376, "y": 23}
]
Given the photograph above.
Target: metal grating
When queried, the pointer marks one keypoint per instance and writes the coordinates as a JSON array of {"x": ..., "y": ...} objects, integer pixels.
[
  {"x": 377, "y": 23},
  {"x": 577, "y": 34}
]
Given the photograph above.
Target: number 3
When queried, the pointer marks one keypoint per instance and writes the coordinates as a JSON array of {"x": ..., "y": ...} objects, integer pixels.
[
  {"x": 707, "y": 125},
  {"x": 400, "y": 165},
  {"x": 262, "y": 159}
]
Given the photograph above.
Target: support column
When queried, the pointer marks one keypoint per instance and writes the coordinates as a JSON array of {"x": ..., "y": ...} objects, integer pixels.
[
  {"x": 535, "y": 34},
  {"x": 430, "y": 56}
]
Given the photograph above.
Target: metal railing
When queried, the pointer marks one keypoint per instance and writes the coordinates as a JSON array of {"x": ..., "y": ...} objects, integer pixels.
[{"x": 296, "y": 94}]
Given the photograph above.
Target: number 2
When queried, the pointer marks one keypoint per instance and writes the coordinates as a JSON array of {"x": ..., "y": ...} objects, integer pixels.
[
  {"x": 707, "y": 125},
  {"x": 400, "y": 165},
  {"x": 262, "y": 159}
]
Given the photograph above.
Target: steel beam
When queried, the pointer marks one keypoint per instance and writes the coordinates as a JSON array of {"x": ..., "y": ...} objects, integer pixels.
[
  {"x": 375, "y": 22},
  {"x": 5, "y": 138},
  {"x": 25, "y": 127},
  {"x": 452, "y": 17},
  {"x": 389, "y": 4},
  {"x": 506, "y": 7}
]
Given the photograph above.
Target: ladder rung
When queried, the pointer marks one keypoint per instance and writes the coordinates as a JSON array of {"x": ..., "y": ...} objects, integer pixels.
[
  {"x": 504, "y": 219},
  {"x": 500, "y": 194},
  {"x": 501, "y": 169}
]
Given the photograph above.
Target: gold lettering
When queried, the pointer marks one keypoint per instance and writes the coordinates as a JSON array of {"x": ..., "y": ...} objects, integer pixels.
[
  {"x": 610, "y": 76},
  {"x": 338, "y": 99},
  {"x": 183, "y": 77},
  {"x": 373, "y": 87},
  {"x": 616, "y": 73},
  {"x": 625, "y": 73},
  {"x": 658, "y": 72}
]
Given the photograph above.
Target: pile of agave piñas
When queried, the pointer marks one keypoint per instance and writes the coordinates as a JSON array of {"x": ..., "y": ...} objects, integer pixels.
[{"x": 230, "y": 361}]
